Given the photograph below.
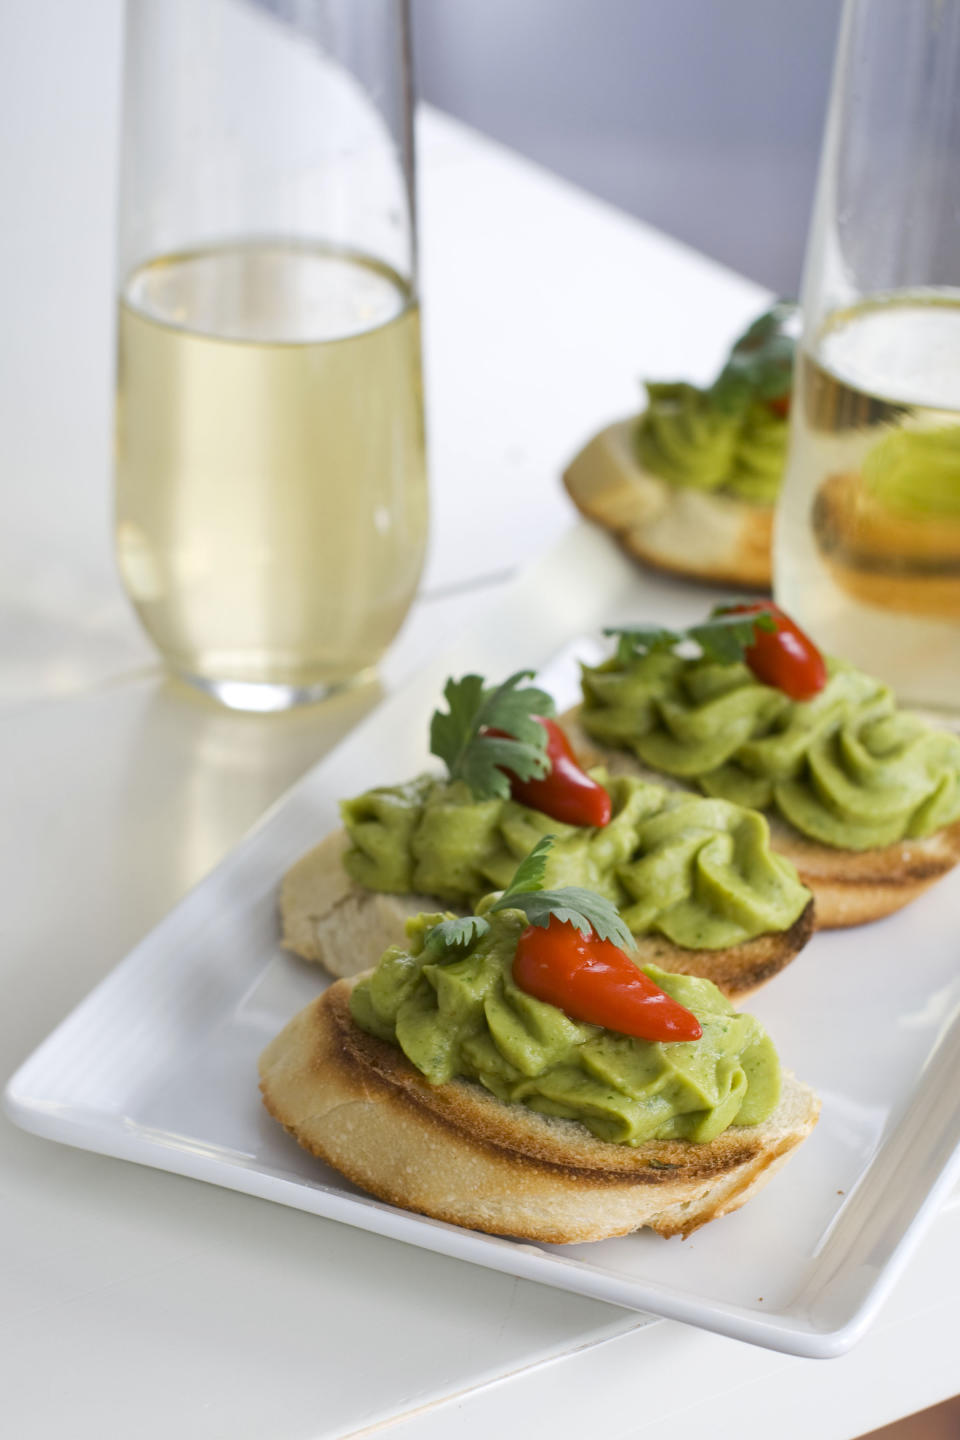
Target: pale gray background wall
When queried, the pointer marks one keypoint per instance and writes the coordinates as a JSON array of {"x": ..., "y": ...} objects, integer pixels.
[{"x": 702, "y": 116}]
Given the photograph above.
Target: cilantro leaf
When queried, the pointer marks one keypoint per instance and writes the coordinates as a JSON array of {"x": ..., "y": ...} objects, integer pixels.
[
  {"x": 760, "y": 365},
  {"x": 459, "y": 934},
  {"x": 530, "y": 873},
  {"x": 589, "y": 912},
  {"x": 633, "y": 640},
  {"x": 724, "y": 637},
  {"x": 461, "y": 739},
  {"x": 510, "y": 709},
  {"x": 486, "y": 762},
  {"x": 451, "y": 733},
  {"x": 571, "y": 904}
]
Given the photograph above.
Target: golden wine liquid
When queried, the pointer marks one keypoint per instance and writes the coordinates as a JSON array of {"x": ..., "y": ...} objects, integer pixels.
[
  {"x": 875, "y": 582},
  {"x": 271, "y": 497}
]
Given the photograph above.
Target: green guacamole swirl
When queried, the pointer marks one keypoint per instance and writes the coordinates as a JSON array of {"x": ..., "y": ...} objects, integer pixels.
[
  {"x": 685, "y": 439},
  {"x": 916, "y": 472},
  {"x": 847, "y": 768},
  {"x": 700, "y": 872},
  {"x": 460, "y": 1013}
]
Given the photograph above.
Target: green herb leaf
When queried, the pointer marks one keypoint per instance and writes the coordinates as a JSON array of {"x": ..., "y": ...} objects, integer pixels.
[
  {"x": 633, "y": 640},
  {"x": 451, "y": 733},
  {"x": 589, "y": 912},
  {"x": 460, "y": 739},
  {"x": 530, "y": 873},
  {"x": 760, "y": 365},
  {"x": 458, "y": 934},
  {"x": 724, "y": 638},
  {"x": 508, "y": 708},
  {"x": 592, "y": 914}
]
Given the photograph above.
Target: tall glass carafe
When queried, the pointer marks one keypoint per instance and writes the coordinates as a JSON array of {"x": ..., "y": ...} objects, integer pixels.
[
  {"x": 271, "y": 503},
  {"x": 867, "y": 549}
]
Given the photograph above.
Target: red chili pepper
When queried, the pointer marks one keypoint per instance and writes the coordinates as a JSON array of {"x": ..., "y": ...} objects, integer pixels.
[
  {"x": 565, "y": 792},
  {"x": 594, "y": 980},
  {"x": 785, "y": 658}
]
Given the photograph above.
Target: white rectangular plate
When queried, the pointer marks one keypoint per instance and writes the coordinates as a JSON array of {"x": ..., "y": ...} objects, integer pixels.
[{"x": 158, "y": 1065}]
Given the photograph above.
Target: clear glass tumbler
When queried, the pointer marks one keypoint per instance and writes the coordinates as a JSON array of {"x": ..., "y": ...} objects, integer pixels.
[
  {"x": 867, "y": 547},
  {"x": 271, "y": 496}
]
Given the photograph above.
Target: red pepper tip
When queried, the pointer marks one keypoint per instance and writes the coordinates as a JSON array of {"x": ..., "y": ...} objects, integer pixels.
[{"x": 593, "y": 980}]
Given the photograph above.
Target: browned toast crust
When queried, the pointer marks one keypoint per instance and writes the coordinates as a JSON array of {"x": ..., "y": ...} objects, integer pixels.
[
  {"x": 853, "y": 887},
  {"x": 458, "y": 1154},
  {"x": 739, "y": 970}
]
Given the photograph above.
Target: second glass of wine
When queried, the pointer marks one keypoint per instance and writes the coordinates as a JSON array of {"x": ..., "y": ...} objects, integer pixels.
[
  {"x": 271, "y": 493},
  {"x": 867, "y": 550}
]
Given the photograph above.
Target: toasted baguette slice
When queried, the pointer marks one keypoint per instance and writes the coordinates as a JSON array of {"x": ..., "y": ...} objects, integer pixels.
[
  {"x": 850, "y": 887},
  {"x": 328, "y": 917},
  {"x": 457, "y": 1153},
  {"x": 893, "y": 561},
  {"x": 718, "y": 539}
]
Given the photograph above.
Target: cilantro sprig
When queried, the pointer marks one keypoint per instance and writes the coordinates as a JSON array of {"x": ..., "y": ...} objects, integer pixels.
[
  {"x": 724, "y": 637},
  {"x": 458, "y": 934},
  {"x": 460, "y": 736},
  {"x": 592, "y": 914},
  {"x": 760, "y": 365}
]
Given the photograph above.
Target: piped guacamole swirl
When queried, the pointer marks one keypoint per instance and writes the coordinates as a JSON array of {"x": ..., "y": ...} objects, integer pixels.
[
  {"x": 916, "y": 473},
  {"x": 847, "y": 768},
  {"x": 686, "y": 440},
  {"x": 732, "y": 436},
  {"x": 456, "y": 1012},
  {"x": 700, "y": 872}
]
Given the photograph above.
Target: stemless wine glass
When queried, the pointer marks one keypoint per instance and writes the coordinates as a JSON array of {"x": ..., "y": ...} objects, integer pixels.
[
  {"x": 867, "y": 550},
  {"x": 271, "y": 503}
]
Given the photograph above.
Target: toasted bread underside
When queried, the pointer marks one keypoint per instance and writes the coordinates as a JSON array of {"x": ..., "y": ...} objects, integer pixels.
[
  {"x": 850, "y": 887},
  {"x": 327, "y": 917},
  {"x": 717, "y": 539},
  {"x": 458, "y": 1154}
]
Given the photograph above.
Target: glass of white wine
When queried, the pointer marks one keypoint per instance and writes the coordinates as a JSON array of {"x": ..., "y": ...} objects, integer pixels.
[
  {"x": 271, "y": 493},
  {"x": 867, "y": 547}
]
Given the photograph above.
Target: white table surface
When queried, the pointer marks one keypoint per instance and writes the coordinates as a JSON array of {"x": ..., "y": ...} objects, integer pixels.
[{"x": 137, "y": 1303}]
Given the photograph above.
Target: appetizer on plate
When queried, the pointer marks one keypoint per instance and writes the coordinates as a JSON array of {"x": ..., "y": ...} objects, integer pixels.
[
  {"x": 694, "y": 878},
  {"x": 517, "y": 1072},
  {"x": 690, "y": 485},
  {"x": 864, "y": 798},
  {"x": 890, "y": 532}
]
